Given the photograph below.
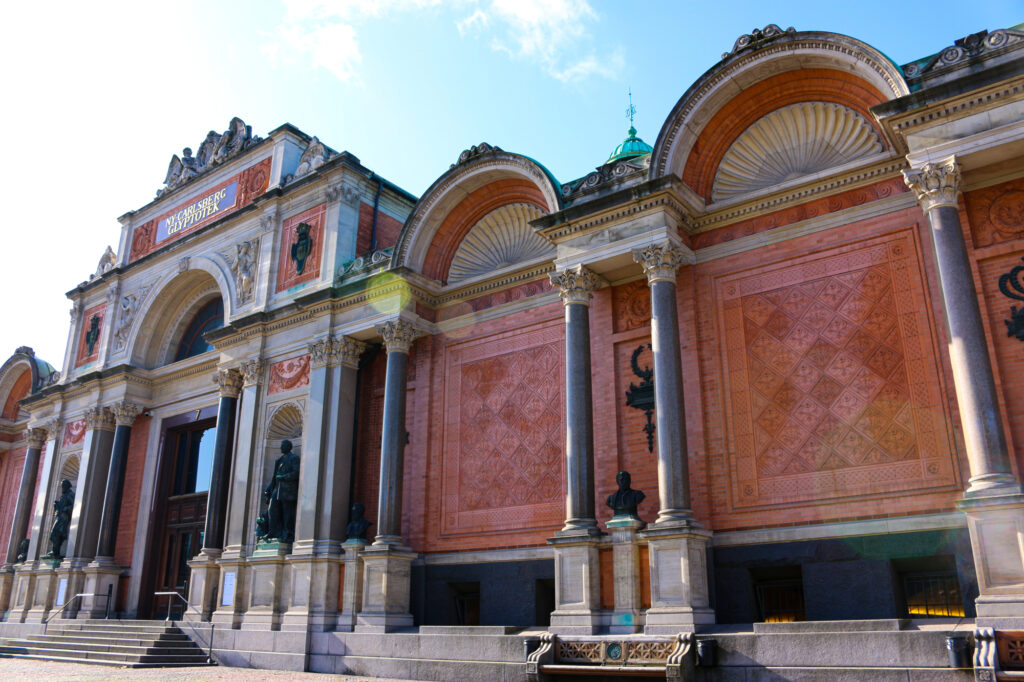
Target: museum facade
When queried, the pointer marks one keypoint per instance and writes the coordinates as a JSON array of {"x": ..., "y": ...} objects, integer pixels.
[{"x": 795, "y": 320}]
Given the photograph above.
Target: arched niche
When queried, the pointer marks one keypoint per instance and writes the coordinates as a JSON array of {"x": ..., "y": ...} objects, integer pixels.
[
  {"x": 170, "y": 312},
  {"x": 807, "y": 66},
  {"x": 485, "y": 179},
  {"x": 69, "y": 468}
]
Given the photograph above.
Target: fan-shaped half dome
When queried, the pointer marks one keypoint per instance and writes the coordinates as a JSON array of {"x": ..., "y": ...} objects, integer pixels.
[
  {"x": 501, "y": 238},
  {"x": 794, "y": 141}
]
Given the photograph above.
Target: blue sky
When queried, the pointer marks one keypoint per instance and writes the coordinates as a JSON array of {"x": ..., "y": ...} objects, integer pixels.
[{"x": 98, "y": 96}]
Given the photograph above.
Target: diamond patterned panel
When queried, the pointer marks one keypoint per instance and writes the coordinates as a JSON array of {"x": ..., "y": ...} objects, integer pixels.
[{"x": 822, "y": 355}]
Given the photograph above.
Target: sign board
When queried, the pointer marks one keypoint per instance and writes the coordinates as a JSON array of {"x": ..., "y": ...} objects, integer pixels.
[
  {"x": 199, "y": 211},
  {"x": 62, "y": 588},
  {"x": 228, "y": 597}
]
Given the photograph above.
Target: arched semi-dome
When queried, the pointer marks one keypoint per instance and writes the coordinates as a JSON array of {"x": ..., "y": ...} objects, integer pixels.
[
  {"x": 21, "y": 375},
  {"x": 474, "y": 219},
  {"x": 186, "y": 305},
  {"x": 780, "y": 106}
]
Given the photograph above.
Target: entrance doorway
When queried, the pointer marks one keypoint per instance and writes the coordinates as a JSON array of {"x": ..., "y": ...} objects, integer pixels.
[{"x": 187, "y": 467}]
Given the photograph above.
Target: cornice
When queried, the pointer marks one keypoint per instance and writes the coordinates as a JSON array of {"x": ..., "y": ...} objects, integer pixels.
[
  {"x": 624, "y": 209},
  {"x": 858, "y": 177}
]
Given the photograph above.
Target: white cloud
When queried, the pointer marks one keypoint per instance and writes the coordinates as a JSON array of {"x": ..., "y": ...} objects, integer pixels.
[{"x": 553, "y": 34}]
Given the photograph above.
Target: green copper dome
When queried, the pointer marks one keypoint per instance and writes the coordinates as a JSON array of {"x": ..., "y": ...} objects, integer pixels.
[{"x": 630, "y": 147}]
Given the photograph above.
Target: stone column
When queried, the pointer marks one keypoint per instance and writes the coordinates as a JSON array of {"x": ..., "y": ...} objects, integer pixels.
[
  {"x": 102, "y": 574},
  {"x": 89, "y": 493},
  {"x": 242, "y": 510},
  {"x": 23, "y": 593},
  {"x": 388, "y": 564},
  {"x": 315, "y": 562},
  {"x": 205, "y": 574},
  {"x": 35, "y": 439},
  {"x": 993, "y": 501},
  {"x": 577, "y": 566},
  {"x": 677, "y": 544}
]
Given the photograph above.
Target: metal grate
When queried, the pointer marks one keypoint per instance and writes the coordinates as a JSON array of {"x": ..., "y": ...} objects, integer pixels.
[
  {"x": 781, "y": 601},
  {"x": 933, "y": 595}
]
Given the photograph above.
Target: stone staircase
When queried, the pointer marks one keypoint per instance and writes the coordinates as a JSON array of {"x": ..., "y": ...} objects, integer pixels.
[{"x": 125, "y": 643}]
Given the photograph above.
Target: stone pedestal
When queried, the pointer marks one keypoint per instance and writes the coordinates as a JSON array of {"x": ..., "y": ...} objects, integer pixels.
[
  {"x": 101, "y": 578},
  {"x": 679, "y": 578},
  {"x": 352, "y": 593},
  {"x": 266, "y": 581},
  {"x": 203, "y": 584},
  {"x": 22, "y": 591},
  {"x": 231, "y": 594},
  {"x": 73, "y": 572},
  {"x": 313, "y": 604},
  {"x": 386, "y": 582},
  {"x": 577, "y": 583},
  {"x": 43, "y": 594},
  {"x": 6, "y": 587},
  {"x": 627, "y": 617},
  {"x": 996, "y": 525}
]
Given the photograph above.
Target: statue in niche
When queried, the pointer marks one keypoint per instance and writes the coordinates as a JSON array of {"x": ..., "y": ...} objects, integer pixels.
[
  {"x": 245, "y": 269},
  {"x": 625, "y": 500},
  {"x": 282, "y": 494},
  {"x": 356, "y": 528},
  {"x": 22, "y": 550},
  {"x": 62, "y": 507},
  {"x": 302, "y": 247},
  {"x": 93, "y": 335}
]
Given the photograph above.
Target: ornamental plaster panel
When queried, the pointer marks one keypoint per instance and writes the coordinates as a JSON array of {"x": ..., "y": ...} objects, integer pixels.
[
  {"x": 996, "y": 213},
  {"x": 500, "y": 239}
]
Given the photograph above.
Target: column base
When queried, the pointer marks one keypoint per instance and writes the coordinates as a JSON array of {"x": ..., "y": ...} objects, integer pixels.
[
  {"x": 42, "y": 593},
  {"x": 679, "y": 578},
  {"x": 577, "y": 582},
  {"x": 203, "y": 584},
  {"x": 996, "y": 526},
  {"x": 387, "y": 575},
  {"x": 102, "y": 576},
  {"x": 6, "y": 587},
  {"x": 22, "y": 592},
  {"x": 313, "y": 602},
  {"x": 71, "y": 573}
]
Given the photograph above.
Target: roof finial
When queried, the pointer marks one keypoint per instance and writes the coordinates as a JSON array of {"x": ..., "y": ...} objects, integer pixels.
[{"x": 631, "y": 111}]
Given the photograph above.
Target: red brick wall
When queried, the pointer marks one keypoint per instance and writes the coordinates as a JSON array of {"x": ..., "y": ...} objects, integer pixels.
[
  {"x": 388, "y": 229},
  {"x": 18, "y": 391},
  {"x": 131, "y": 491}
]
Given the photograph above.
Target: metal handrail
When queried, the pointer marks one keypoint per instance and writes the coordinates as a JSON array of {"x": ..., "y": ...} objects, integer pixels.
[
  {"x": 46, "y": 621},
  {"x": 202, "y": 618}
]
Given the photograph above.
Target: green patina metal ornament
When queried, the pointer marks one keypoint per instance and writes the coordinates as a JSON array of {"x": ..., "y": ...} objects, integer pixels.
[
  {"x": 302, "y": 247},
  {"x": 632, "y": 146}
]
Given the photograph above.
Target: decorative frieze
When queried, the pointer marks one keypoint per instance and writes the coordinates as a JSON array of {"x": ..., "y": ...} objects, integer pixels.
[
  {"x": 398, "y": 335},
  {"x": 125, "y": 412},
  {"x": 576, "y": 284},
  {"x": 99, "y": 419},
  {"x": 229, "y": 382},
  {"x": 660, "y": 262},
  {"x": 935, "y": 184}
]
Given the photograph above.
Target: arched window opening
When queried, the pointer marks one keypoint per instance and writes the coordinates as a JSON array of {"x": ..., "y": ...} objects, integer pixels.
[{"x": 209, "y": 318}]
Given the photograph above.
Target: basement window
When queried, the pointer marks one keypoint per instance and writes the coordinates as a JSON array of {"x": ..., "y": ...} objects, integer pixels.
[
  {"x": 465, "y": 602},
  {"x": 780, "y": 594},
  {"x": 933, "y": 595}
]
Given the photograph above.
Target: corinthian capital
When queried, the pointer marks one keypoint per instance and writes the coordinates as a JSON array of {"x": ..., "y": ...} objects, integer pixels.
[
  {"x": 575, "y": 285},
  {"x": 99, "y": 419},
  {"x": 347, "y": 351},
  {"x": 320, "y": 352},
  {"x": 53, "y": 428},
  {"x": 229, "y": 381},
  {"x": 935, "y": 184},
  {"x": 398, "y": 335},
  {"x": 660, "y": 261},
  {"x": 36, "y": 438},
  {"x": 252, "y": 371},
  {"x": 125, "y": 412}
]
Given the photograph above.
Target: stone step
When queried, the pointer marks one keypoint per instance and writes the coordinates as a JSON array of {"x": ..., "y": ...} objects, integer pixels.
[
  {"x": 168, "y": 636},
  {"x": 114, "y": 658},
  {"x": 72, "y": 642},
  {"x": 117, "y": 645},
  {"x": 114, "y": 628}
]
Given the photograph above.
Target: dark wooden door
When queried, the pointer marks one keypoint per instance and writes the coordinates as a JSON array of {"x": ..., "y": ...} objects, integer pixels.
[{"x": 189, "y": 461}]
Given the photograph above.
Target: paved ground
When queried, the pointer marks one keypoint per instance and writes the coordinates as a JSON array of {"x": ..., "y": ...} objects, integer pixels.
[{"x": 23, "y": 670}]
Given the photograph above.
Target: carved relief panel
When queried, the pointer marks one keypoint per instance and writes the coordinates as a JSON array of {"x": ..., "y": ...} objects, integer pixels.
[
  {"x": 302, "y": 238},
  {"x": 996, "y": 213}
]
